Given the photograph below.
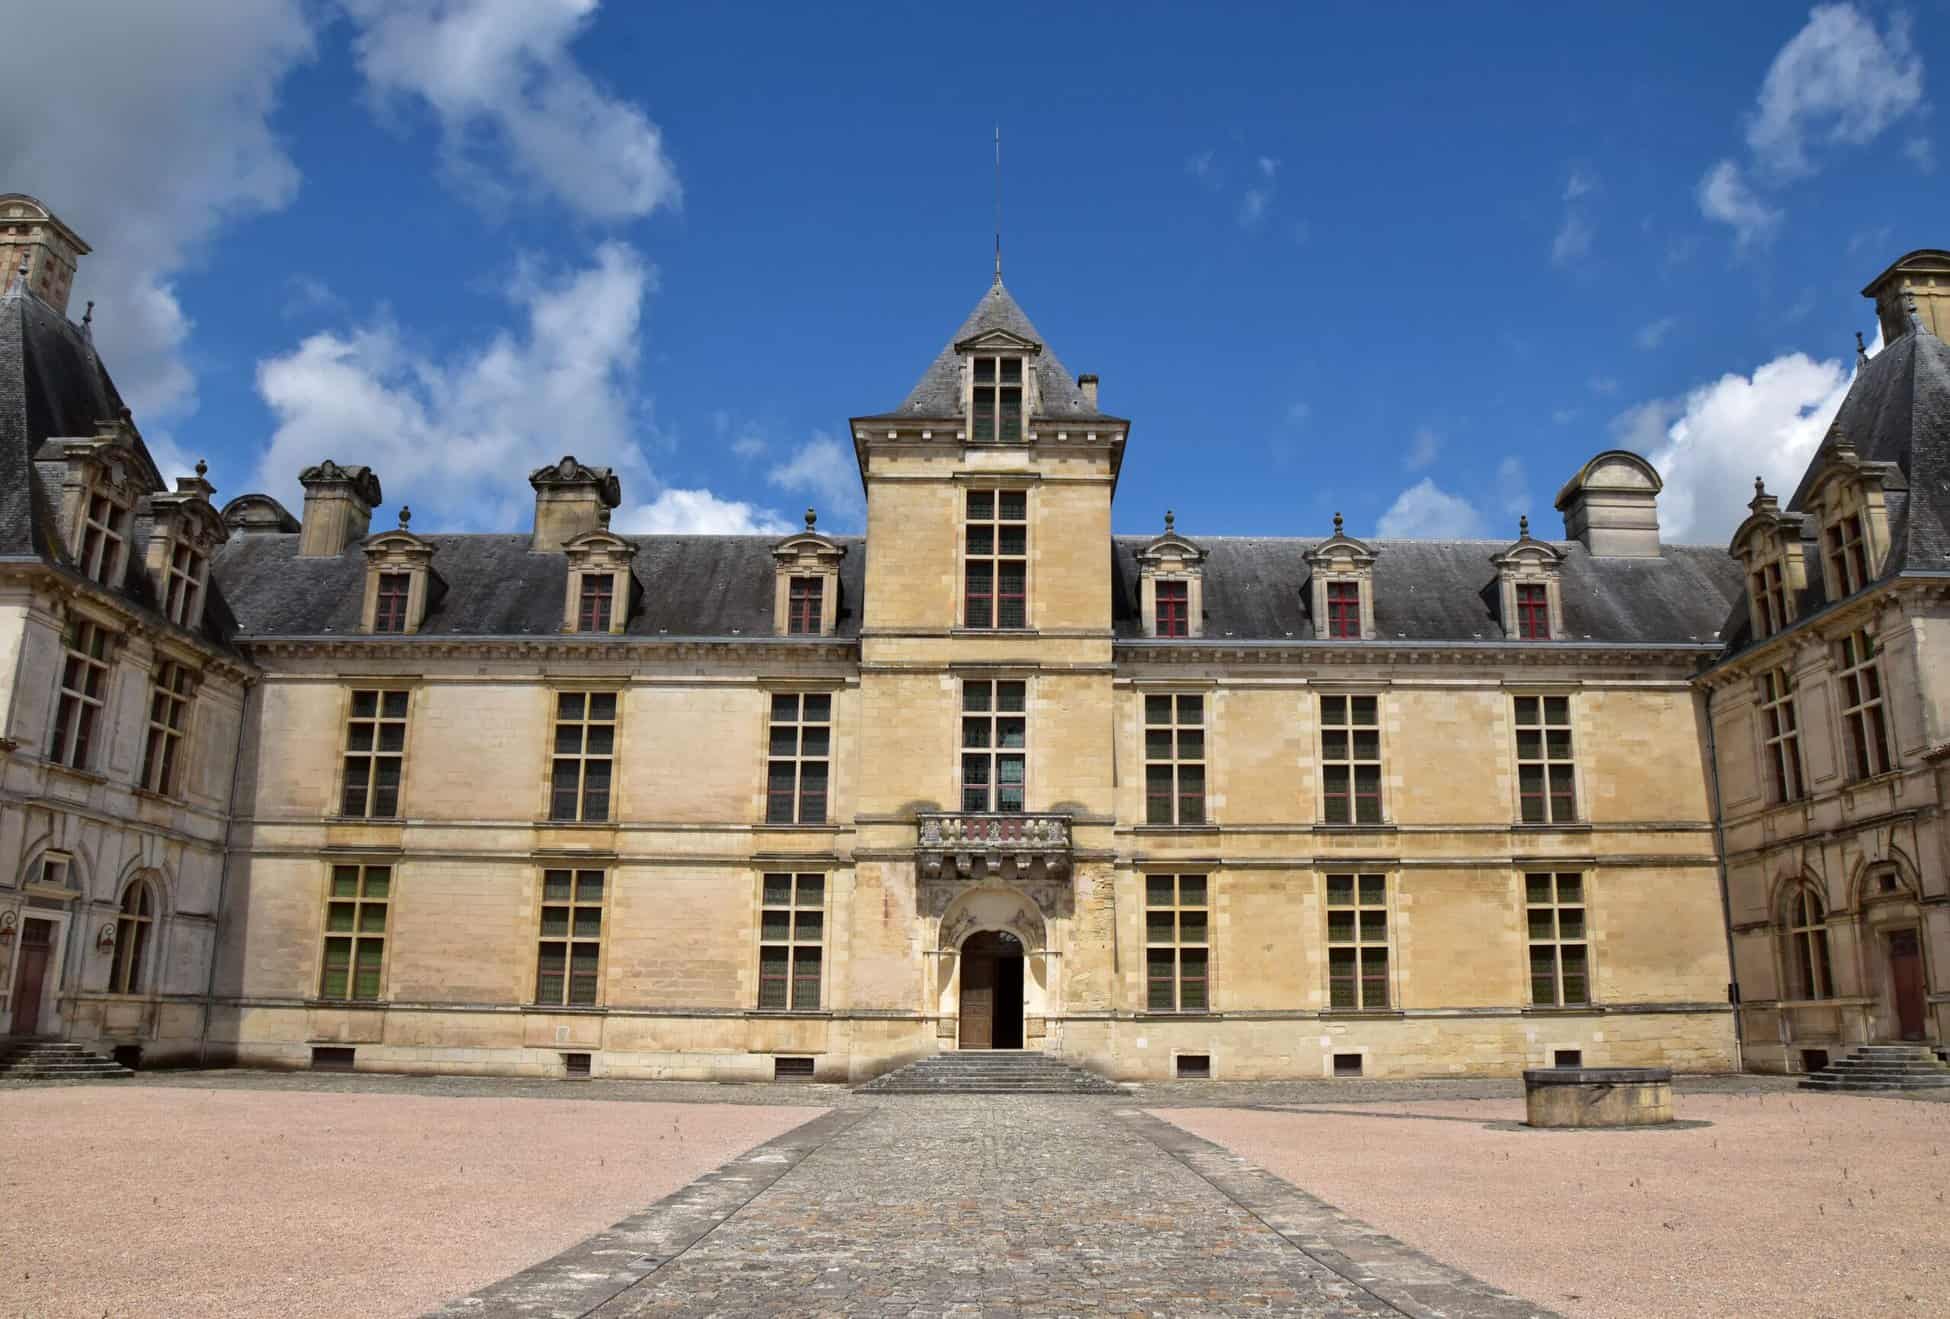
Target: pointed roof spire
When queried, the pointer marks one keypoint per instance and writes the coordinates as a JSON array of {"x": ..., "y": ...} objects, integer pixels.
[{"x": 998, "y": 205}]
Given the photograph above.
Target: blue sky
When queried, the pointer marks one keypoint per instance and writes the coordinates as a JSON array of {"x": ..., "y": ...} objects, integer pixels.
[{"x": 1415, "y": 263}]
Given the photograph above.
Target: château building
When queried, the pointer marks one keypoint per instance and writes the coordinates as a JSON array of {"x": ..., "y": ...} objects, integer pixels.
[{"x": 295, "y": 791}]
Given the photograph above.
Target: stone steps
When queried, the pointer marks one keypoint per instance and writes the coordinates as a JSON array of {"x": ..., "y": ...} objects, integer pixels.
[
  {"x": 1883, "y": 1068},
  {"x": 991, "y": 1072},
  {"x": 54, "y": 1060}
]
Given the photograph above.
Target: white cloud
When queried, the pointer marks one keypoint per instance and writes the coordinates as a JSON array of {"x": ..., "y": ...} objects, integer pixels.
[
  {"x": 1422, "y": 449},
  {"x": 1725, "y": 196},
  {"x": 499, "y": 76},
  {"x": 147, "y": 129},
  {"x": 826, "y": 469},
  {"x": 748, "y": 447},
  {"x": 699, "y": 512},
  {"x": 1837, "y": 79},
  {"x": 1426, "y": 510},
  {"x": 1654, "y": 333},
  {"x": 1268, "y": 166},
  {"x": 1922, "y": 154},
  {"x": 1252, "y": 206},
  {"x": 1573, "y": 241},
  {"x": 1711, "y": 444},
  {"x": 1580, "y": 183},
  {"x": 456, "y": 437}
]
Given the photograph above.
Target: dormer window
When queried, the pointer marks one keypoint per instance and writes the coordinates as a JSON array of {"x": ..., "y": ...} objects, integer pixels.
[
  {"x": 104, "y": 539},
  {"x": 1171, "y": 581},
  {"x": 105, "y": 478},
  {"x": 1848, "y": 563},
  {"x": 1528, "y": 588},
  {"x": 1770, "y": 599},
  {"x": 597, "y": 600},
  {"x": 598, "y": 593},
  {"x": 996, "y": 403},
  {"x": 806, "y": 582},
  {"x": 1847, "y": 496},
  {"x": 1769, "y": 543},
  {"x": 184, "y": 528},
  {"x": 389, "y": 612},
  {"x": 1174, "y": 605},
  {"x": 1344, "y": 609},
  {"x": 183, "y": 591},
  {"x": 1533, "y": 613},
  {"x": 805, "y": 596},
  {"x": 1343, "y": 586}
]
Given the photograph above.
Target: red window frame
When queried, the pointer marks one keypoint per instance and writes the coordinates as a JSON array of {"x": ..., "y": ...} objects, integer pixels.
[
  {"x": 1344, "y": 609},
  {"x": 1533, "y": 613},
  {"x": 598, "y": 597},
  {"x": 1174, "y": 609},
  {"x": 806, "y": 597},
  {"x": 389, "y": 611}
]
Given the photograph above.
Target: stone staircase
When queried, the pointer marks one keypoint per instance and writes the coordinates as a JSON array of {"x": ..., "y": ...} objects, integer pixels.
[
  {"x": 1884, "y": 1067},
  {"x": 991, "y": 1072},
  {"x": 54, "y": 1060}
]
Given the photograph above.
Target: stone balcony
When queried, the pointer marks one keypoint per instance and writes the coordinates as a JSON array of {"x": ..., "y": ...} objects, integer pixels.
[{"x": 974, "y": 845}]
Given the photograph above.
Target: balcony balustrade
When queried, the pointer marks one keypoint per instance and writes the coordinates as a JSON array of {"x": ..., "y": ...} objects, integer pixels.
[{"x": 971, "y": 845}]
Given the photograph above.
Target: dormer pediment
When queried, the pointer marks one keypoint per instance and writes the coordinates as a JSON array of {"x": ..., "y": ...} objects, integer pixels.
[
  {"x": 598, "y": 547},
  {"x": 1767, "y": 530},
  {"x": 1527, "y": 553},
  {"x": 398, "y": 544},
  {"x": 998, "y": 341},
  {"x": 192, "y": 515},
  {"x": 1171, "y": 552},
  {"x": 1840, "y": 468},
  {"x": 1341, "y": 552},
  {"x": 810, "y": 547}
]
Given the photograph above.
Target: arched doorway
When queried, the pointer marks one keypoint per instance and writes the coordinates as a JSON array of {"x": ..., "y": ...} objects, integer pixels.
[{"x": 991, "y": 991}]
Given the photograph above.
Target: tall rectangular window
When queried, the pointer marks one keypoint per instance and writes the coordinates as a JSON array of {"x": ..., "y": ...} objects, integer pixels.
[
  {"x": 1344, "y": 609},
  {"x": 84, "y": 687},
  {"x": 169, "y": 704},
  {"x": 1546, "y": 774},
  {"x": 1780, "y": 737},
  {"x": 375, "y": 751},
  {"x": 791, "y": 936},
  {"x": 389, "y": 612},
  {"x": 1770, "y": 598},
  {"x": 594, "y": 603},
  {"x": 997, "y": 400},
  {"x": 1174, "y": 759},
  {"x": 996, "y": 569},
  {"x": 1350, "y": 759},
  {"x": 805, "y": 599},
  {"x": 568, "y": 960},
  {"x": 800, "y": 749},
  {"x": 1847, "y": 556},
  {"x": 994, "y": 744},
  {"x": 183, "y": 589},
  {"x": 1560, "y": 970},
  {"x": 355, "y": 932},
  {"x": 1859, "y": 660},
  {"x": 1177, "y": 944},
  {"x": 1174, "y": 608},
  {"x": 585, "y": 747},
  {"x": 1533, "y": 612},
  {"x": 1357, "y": 942},
  {"x": 104, "y": 540}
]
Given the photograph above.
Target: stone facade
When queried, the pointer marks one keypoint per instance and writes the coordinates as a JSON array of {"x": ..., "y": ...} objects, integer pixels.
[{"x": 715, "y": 807}]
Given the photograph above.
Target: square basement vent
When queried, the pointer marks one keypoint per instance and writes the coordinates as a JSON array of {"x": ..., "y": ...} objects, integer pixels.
[
  {"x": 327, "y": 1058},
  {"x": 576, "y": 1065},
  {"x": 1568, "y": 1058},
  {"x": 792, "y": 1069},
  {"x": 1813, "y": 1060},
  {"x": 1194, "y": 1066},
  {"x": 1347, "y": 1064}
]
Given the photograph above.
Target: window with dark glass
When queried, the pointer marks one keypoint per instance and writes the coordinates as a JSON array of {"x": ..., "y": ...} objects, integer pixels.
[
  {"x": 132, "y": 925},
  {"x": 800, "y": 749},
  {"x": 1863, "y": 721},
  {"x": 1350, "y": 759},
  {"x": 389, "y": 613},
  {"x": 169, "y": 703},
  {"x": 1174, "y": 759},
  {"x": 1780, "y": 737},
  {"x": 1174, "y": 609},
  {"x": 997, "y": 400},
  {"x": 1177, "y": 944},
  {"x": 568, "y": 959},
  {"x": 1344, "y": 609},
  {"x": 355, "y": 932},
  {"x": 791, "y": 935},
  {"x": 585, "y": 747},
  {"x": 1533, "y": 612},
  {"x": 1357, "y": 942},
  {"x": 593, "y": 605},
  {"x": 1770, "y": 598},
  {"x": 994, "y": 744},
  {"x": 1546, "y": 774},
  {"x": 84, "y": 687},
  {"x": 183, "y": 584},
  {"x": 1847, "y": 556},
  {"x": 997, "y": 559},
  {"x": 805, "y": 598},
  {"x": 1560, "y": 972},
  {"x": 1807, "y": 936},
  {"x": 104, "y": 540},
  {"x": 375, "y": 750}
]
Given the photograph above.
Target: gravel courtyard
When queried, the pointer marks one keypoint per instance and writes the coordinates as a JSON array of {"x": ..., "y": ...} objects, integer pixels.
[
  {"x": 1803, "y": 1204},
  {"x": 168, "y": 1200}
]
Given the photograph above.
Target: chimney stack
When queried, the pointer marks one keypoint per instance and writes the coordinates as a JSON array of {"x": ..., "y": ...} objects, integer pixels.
[
  {"x": 1918, "y": 283},
  {"x": 35, "y": 244},
  {"x": 1612, "y": 505},
  {"x": 1088, "y": 384},
  {"x": 338, "y": 507},
  {"x": 571, "y": 500}
]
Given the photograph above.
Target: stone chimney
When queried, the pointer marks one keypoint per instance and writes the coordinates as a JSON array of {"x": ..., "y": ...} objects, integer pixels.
[
  {"x": 338, "y": 507},
  {"x": 1612, "y": 505},
  {"x": 1919, "y": 281},
  {"x": 1088, "y": 384},
  {"x": 571, "y": 499},
  {"x": 33, "y": 240}
]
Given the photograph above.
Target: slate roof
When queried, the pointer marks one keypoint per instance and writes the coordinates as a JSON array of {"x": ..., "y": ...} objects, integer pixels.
[
  {"x": 688, "y": 586},
  {"x": 938, "y": 392},
  {"x": 1259, "y": 589}
]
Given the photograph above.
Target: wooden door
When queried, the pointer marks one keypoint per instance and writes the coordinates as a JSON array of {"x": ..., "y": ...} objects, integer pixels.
[
  {"x": 977, "y": 996},
  {"x": 1906, "y": 975},
  {"x": 30, "y": 975}
]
